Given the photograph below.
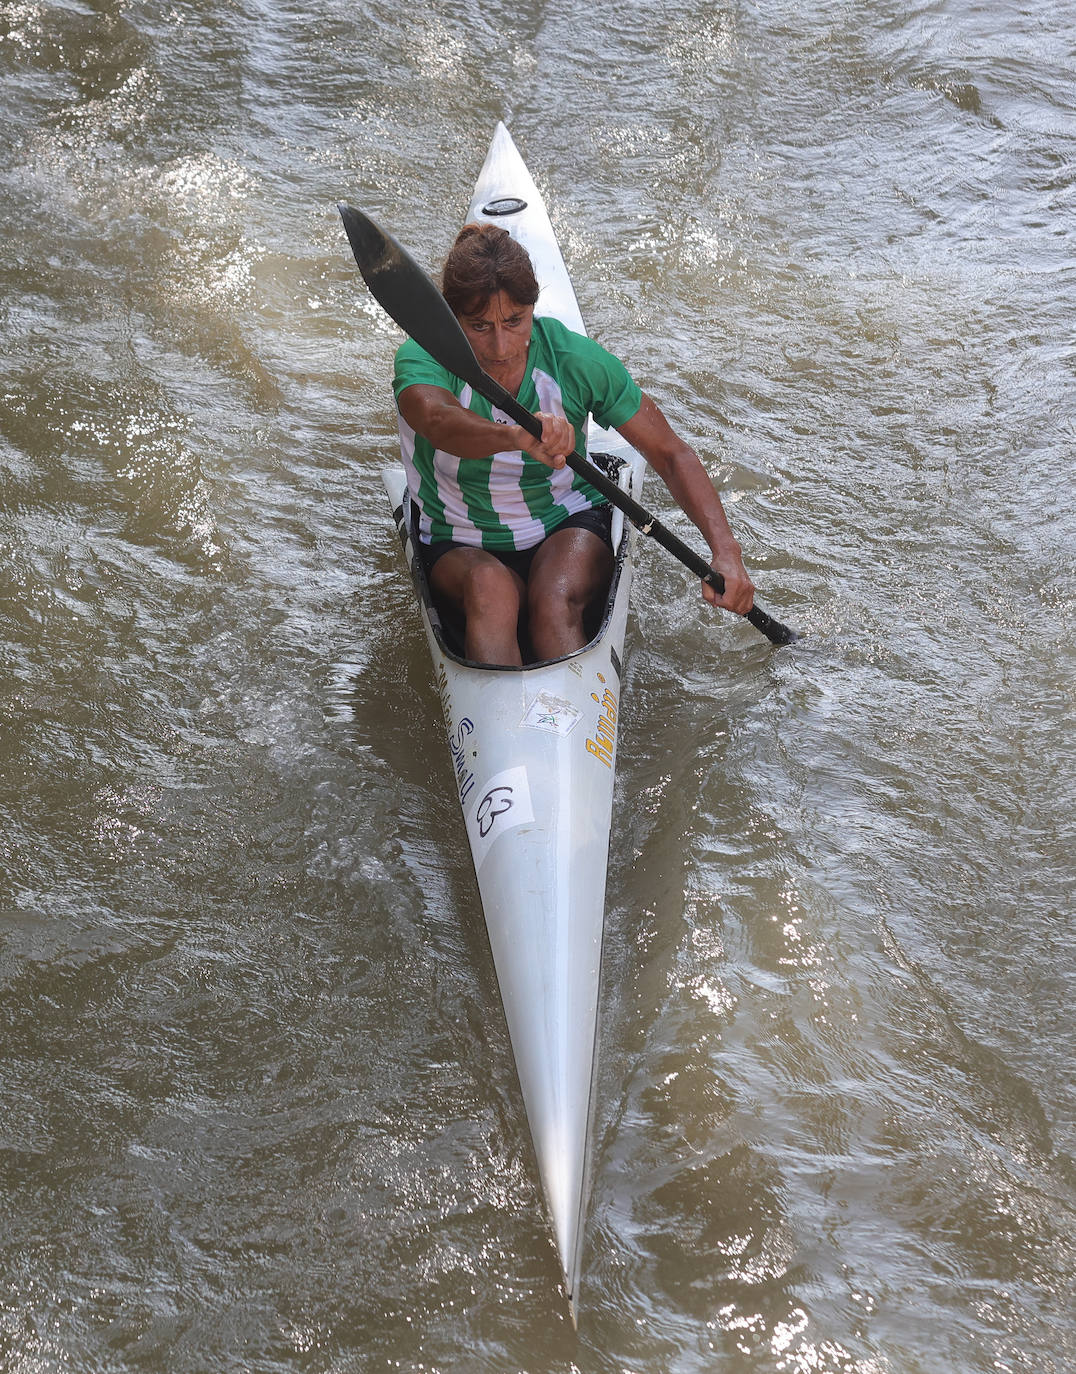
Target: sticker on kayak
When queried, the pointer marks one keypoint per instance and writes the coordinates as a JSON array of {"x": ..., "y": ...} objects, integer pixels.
[
  {"x": 505, "y": 804},
  {"x": 552, "y": 713}
]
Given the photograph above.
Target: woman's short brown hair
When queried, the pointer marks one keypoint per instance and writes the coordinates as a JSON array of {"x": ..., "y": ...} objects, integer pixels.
[{"x": 486, "y": 259}]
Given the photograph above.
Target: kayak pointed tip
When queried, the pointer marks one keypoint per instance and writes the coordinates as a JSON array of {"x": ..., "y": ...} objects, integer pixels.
[
  {"x": 569, "y": 1273},
  {"x": 502, "y": 140},
  {"x": 570, "y": 1285}
]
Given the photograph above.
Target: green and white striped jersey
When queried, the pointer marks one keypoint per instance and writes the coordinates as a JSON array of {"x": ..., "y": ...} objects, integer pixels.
[{"x": 510, "y": 500}]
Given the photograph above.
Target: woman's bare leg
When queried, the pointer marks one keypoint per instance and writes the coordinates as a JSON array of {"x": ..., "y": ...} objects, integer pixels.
[
  {"x": 490, "y": 596},
  {"x": 570, "y": 569}
]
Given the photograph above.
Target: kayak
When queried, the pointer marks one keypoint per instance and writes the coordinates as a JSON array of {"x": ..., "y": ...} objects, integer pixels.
[{"x": 534, "y": 755}]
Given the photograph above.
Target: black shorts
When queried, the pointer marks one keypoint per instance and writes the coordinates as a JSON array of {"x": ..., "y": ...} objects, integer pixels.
[{"x": 597, "y": 519}]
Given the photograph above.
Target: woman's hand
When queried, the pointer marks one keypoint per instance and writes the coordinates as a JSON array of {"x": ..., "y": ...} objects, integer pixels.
[
  {"x": 557, "y": 441},
  {"x": 739, "y": 593}
]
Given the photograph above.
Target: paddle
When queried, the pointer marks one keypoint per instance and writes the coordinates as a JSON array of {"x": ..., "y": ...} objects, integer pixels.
[{"x": 405, "y": 292}]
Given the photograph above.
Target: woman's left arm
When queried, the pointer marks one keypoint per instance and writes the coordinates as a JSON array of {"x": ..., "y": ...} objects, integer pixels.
[{"x": 680, "y": 468}]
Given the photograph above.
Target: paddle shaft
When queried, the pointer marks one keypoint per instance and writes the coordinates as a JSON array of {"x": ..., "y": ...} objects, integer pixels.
[{"x": 406, "y": 293}]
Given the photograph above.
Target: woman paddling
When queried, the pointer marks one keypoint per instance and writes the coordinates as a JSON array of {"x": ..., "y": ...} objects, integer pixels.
[{"x": 507, "y": 531}]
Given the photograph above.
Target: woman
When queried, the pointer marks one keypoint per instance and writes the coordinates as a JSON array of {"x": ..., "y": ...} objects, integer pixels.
[{"x": 506, "y": 530}]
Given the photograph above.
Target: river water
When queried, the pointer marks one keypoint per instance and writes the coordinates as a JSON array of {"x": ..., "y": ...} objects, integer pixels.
[{"x": 257, "y": 1107}]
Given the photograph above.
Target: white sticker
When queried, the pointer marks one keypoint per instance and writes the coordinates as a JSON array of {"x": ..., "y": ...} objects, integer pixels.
[
  {"x": 552, "y": 713},
  {"x": 503, "y": 804}
]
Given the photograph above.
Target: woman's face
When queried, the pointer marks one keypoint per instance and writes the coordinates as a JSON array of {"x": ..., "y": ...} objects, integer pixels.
[{"x": 500, "y": 334}]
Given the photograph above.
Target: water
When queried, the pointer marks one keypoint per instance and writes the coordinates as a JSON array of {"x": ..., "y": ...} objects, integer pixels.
[{"x": 257, "y": 1107}]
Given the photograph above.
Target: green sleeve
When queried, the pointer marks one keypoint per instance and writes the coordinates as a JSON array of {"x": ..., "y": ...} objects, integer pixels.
[
  {"x": 620, "y": 396},
  {"x": 601, "y": 379},
  {"x": 415, "y": 367}
]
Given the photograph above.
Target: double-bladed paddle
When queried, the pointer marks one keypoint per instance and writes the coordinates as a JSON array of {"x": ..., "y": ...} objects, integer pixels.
[{"x": 404, "y": 291}]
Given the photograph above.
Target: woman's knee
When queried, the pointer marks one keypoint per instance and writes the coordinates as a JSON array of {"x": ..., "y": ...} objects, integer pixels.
[
  {"x": 491, "y": 589},
  {"x": 554, "y": 598},
  {"x": 563, "y": 590}
]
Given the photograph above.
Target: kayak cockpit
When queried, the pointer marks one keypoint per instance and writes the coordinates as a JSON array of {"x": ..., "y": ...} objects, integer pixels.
[{"x": 447, "y": 624}]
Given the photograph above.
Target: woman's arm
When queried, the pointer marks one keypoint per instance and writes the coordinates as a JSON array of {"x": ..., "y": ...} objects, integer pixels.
[
  {"x": 679, "y": 467},
  {"x": 438, "y": 416}
]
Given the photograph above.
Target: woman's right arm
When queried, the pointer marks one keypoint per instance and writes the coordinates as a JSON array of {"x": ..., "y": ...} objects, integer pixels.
[{"x": 438, "y": 416}]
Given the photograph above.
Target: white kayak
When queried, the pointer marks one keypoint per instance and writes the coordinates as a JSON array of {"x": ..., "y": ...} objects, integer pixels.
[{"x": 534, "y": 750}]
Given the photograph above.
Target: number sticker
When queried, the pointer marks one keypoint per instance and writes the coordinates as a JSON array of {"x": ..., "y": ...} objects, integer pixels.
[{"x": 503, "y": 804}]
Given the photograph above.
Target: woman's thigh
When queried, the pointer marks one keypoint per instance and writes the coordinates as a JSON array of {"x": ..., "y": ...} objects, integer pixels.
[
  {"x": 465, "y": 575},
  {"x": 572, "y": 567}
]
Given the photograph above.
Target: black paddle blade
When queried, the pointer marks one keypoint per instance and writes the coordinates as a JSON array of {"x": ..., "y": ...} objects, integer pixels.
[
  {"x": 404, "y": 291},
  {"x": 774, "y": 631}
]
